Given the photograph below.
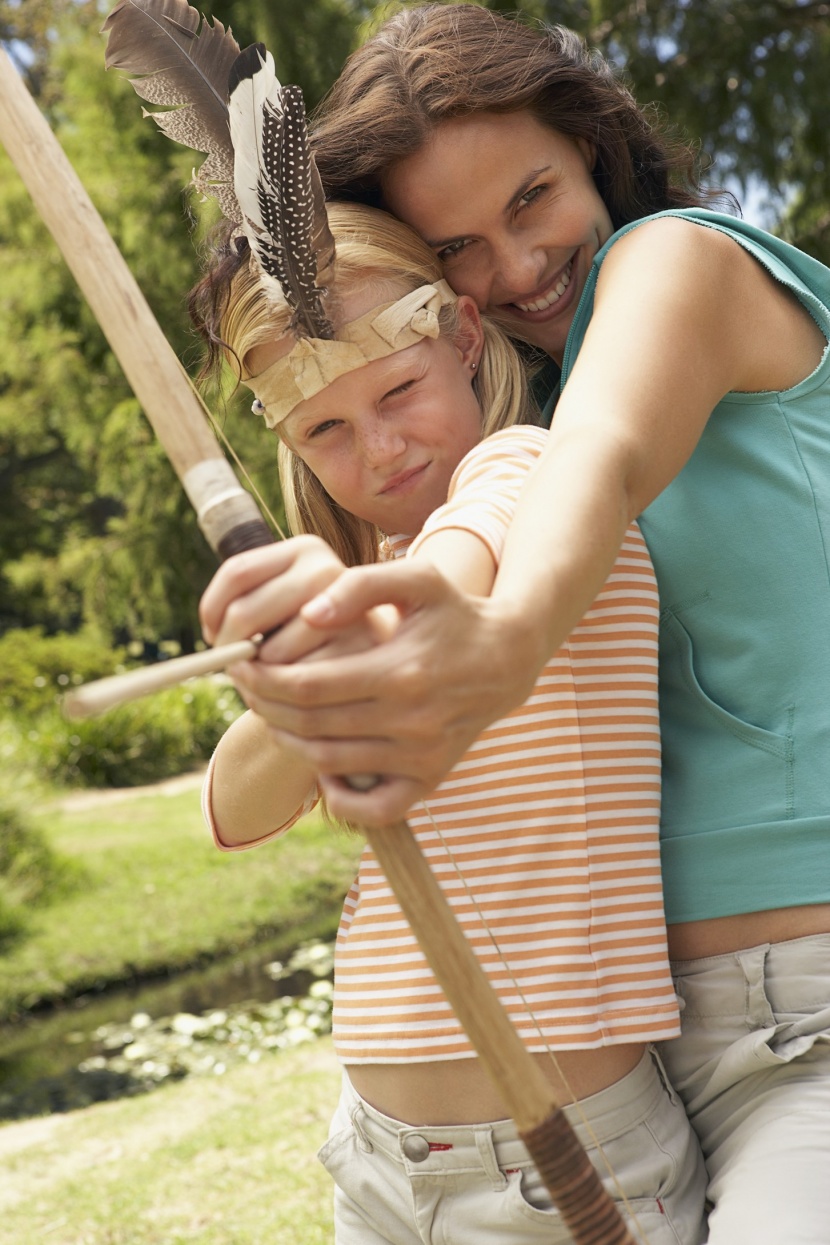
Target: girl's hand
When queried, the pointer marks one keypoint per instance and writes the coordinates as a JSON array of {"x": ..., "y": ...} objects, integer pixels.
[
  {"x": 407, "y": 709},
  {"x": 263, "y": 589}
]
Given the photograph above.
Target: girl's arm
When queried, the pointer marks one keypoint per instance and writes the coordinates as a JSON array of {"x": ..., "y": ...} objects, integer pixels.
[{"x": 256, "y": 787}]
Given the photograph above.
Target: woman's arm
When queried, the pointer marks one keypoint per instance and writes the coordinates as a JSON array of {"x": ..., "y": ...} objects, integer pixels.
[
  {"x": 682, "y": 316},
  {"x": 659, "y": 354}
]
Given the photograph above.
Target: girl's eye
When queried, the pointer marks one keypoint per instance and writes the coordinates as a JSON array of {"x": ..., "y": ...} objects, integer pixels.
[
  {"x": 399, "y": 389},
  {"x": 322, "y": 427}
]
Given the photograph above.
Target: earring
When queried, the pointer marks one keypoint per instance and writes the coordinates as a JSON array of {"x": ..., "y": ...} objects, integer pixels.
[{"x": 473, "y": 366}]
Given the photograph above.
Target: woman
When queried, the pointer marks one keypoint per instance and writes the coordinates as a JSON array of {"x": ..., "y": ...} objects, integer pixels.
[{"x": 695, "y": 397}]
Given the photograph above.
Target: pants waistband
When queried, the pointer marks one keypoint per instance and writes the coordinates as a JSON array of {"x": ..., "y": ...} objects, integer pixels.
[{"x": 496, "y": 1145}]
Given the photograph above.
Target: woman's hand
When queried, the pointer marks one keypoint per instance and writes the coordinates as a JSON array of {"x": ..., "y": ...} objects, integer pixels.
[{"x": 406, "y": 709}]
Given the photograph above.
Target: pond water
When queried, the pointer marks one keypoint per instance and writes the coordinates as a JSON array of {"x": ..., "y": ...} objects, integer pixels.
[{"x": 68, "y": 1057}]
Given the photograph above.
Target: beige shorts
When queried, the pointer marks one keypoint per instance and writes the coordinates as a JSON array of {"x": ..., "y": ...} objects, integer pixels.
[
  {"x": 753, "y": 1068},
  {"x": 476, "y": 1185}
]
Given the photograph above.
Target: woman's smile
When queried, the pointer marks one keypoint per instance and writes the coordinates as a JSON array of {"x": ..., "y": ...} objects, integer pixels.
[{"x": 549, "y": 296}]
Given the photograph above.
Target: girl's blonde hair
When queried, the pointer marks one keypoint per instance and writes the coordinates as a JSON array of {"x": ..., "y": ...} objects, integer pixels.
[{"x": 374, "y": 249}]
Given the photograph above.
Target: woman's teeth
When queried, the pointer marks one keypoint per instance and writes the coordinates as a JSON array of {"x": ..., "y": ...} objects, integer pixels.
[{"x": 553, "y": 297}]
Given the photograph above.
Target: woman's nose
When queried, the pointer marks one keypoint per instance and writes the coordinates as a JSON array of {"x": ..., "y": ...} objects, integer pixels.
[{"x": 520, "y": 266}]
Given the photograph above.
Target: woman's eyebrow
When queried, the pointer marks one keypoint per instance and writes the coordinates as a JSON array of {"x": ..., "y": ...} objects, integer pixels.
[{"x": 438, "y": 243}]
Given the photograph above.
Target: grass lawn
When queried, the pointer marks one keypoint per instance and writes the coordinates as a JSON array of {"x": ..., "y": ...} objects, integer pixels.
[
  {"x": 155, "y": 895},
  {"x": 224, "y": 1161}
]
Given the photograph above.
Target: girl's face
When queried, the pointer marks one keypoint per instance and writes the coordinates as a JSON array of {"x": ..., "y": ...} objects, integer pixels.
[
  {"x": 385, "y": 439},
  {"x": 510, "y": 207}
]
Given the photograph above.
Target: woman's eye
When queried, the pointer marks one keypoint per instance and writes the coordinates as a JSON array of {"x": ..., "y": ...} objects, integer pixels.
[
  {"x": 451, "y": 250},
  {"x": 530, "y": 195}
]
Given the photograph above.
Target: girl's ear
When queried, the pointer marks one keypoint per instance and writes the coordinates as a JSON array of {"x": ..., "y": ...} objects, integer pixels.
[{"x": 469, "y": 336}]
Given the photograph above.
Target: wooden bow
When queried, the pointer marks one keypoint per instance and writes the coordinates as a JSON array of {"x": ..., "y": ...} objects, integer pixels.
[{"x": 231, "y": 522}]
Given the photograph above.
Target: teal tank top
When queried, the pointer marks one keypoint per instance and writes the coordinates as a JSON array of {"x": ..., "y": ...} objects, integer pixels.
[{"x": 739, "y": 541}]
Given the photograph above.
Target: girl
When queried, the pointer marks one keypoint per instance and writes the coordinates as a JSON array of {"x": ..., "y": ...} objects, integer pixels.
[
  {"x": 544, "y": 836},
  {"x": 694, "y": 396}
]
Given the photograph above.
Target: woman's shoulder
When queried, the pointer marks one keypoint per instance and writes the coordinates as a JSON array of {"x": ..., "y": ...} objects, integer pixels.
[
  {"x": 672, "y": 244},
  {"x": 754, "y": 307},
  {"x": 679, "y": 240}
]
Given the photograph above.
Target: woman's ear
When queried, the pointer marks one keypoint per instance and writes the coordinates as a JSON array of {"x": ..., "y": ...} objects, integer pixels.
[
  {"x": 589, "y": 152},
  {"x": 469, "y": 336}
]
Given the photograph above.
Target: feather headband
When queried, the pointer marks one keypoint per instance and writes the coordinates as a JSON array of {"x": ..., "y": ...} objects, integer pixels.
[
  {"x": 313, "y": 364},
  {"x": 231, "y": 105}
]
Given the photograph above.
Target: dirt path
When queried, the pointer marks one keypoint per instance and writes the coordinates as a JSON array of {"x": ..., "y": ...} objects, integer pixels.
[{"x": 78, "y": 800}]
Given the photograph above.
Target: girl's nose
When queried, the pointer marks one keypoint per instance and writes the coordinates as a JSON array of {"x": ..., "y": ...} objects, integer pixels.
[{"x": 381, "y": 443}]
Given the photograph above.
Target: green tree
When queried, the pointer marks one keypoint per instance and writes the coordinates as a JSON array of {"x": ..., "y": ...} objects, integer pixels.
[
  {"x": 747, "y": 78},
  {"x": 309, "y": 40}
]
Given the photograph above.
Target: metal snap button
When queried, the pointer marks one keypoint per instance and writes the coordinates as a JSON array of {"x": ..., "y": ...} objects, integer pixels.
[{"x": 415, "y": 1147}]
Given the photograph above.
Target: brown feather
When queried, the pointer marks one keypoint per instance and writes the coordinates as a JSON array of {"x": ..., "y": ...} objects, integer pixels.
[{"x": 185, "y": 69}]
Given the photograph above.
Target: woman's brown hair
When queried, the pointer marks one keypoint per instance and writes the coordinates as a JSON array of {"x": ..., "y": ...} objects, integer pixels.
[{"x": 439, "y": 61}]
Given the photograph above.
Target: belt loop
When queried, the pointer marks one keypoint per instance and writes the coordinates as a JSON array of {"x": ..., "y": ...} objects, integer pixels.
[
  {"x": 487, "y": 1154},
  {"x": 664, "y": 1076},
  {"x": 363, "y": 1141},
  {"x": 753, "y": 963}
]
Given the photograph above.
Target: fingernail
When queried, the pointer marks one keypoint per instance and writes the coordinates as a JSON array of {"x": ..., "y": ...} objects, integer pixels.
[{"x": 318, "y": 609}]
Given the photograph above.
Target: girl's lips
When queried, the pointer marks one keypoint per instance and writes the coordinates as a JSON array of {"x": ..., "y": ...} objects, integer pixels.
[{"x": 399, "y": 482}]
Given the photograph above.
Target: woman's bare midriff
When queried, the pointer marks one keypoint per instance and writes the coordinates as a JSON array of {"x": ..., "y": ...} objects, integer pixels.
[
  {"x": 459, "y": 1091},
  {"x": 694, "y": 940}
]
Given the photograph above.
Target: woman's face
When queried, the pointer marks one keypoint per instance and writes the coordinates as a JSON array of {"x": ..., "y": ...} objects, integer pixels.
[
  {"x": 510, "y": 207},
  {"x": 385, "y": 439}
]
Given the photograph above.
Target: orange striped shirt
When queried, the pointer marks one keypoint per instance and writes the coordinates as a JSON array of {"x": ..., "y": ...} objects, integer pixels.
[{"x": 544, "y": 837}]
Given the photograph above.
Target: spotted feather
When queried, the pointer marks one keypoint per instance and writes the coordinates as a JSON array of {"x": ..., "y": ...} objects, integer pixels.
[{"x": 279, "y": 192}]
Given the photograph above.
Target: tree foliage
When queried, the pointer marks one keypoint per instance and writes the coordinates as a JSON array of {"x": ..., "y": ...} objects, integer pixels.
[
  {"x": 748, "y": 79},
  {"x": 94, "y": 530}
]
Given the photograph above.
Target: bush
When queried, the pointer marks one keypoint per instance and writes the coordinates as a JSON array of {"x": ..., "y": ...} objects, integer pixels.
[
  {"x": 35, "y": 669},
  {"x": 136, "y": 743},
  {"x": 31, "y": 873},
  {"x": 142, "y": 742}
]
